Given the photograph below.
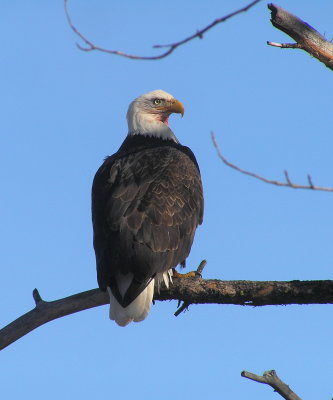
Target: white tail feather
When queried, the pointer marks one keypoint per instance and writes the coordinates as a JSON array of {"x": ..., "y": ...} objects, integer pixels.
[
  {"x": 136, "y": 311},
  {"x": 139, "y": 308}
]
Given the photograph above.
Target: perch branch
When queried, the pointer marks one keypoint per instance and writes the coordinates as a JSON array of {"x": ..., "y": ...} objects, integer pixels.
[
  {"x": 170, "y": 48},
  {"x": 306, "y": 37},
  {"x": 270, "y": 378},
  {"x": 188, "y": 290},
  {"x": 288, "y": 182}
]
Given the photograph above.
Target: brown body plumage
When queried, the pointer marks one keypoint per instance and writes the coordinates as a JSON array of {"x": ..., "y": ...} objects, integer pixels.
[{"x": 147, "y": 202}]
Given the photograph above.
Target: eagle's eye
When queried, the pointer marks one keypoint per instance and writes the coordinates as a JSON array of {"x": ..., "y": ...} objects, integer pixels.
[{"x": 157, "y": 102}]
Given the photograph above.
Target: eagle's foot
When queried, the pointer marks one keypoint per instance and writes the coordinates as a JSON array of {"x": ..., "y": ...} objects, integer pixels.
[
  {"x": 195, "y": 274},
  {"x": 191, "y": 274}
]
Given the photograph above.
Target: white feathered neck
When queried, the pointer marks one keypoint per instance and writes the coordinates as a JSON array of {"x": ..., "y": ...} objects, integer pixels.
[{"x": 144, "y": 119}]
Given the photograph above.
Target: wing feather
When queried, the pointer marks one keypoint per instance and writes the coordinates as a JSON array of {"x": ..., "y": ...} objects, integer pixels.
[{"x": 146, "y": 207}]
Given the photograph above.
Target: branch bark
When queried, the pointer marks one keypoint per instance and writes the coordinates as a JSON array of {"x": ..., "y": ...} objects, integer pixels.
[
  {"x": 270, "y": 378},
  {"x": 306, "y": 37},
  {"x": 188, "y": 290}
]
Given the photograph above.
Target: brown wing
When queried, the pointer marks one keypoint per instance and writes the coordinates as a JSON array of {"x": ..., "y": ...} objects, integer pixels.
[{"x": 146, "y": 207}]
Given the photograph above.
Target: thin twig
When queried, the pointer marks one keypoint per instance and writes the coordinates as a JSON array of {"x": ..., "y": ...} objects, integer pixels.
[
  {"x": 286, "y": 174},
  {"x": 201, "y": 267},
  {"x": 288, "y": 182},
  {"x": 170, "y": 47},
  {"x": 270, "y": 378},
  {"x": 37, "y": 297},
  {"x": 285, "y": 45},
  {"x": 310, "y": 181}
]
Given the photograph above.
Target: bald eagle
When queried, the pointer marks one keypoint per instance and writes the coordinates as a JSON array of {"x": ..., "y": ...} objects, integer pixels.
[{"x": 147, "y": 202}]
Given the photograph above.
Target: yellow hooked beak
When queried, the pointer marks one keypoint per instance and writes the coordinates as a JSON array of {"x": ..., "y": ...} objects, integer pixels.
[{"x": 173, "y": 106}]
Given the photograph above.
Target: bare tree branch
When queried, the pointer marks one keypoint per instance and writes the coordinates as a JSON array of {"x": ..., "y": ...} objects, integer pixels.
[
  {"x": 188, "y": 290},
  {"x": 307, "y": 38},
  {"x": 288, "y": 182},
  {"x": 270, "y": 378},
  {"x": 170, "y": 48}
]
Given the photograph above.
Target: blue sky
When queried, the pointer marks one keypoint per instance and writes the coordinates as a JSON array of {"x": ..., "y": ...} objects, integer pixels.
[{"x": 63, "y": 111}]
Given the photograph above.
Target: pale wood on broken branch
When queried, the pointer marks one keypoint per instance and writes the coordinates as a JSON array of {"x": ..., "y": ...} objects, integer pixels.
[
  {"x": 306, "y": 37},
  {"x": 270, "y": 378}
]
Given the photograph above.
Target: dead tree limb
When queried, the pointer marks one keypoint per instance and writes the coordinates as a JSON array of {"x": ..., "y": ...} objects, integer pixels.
[
  {"x": 288, "y": 182},
  {"x": 306, "y": 37},
  {"x": 270, "y": 378},
  {"x": 189, "y": 290},
  {"x": 170, "y": 48}
]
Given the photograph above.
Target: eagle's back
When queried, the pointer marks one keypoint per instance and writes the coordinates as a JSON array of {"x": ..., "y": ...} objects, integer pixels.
[{"x": 147, "y": 202}]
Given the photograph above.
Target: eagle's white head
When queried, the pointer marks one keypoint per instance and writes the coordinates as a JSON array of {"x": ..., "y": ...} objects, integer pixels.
[{"x": 149, "y": 115}]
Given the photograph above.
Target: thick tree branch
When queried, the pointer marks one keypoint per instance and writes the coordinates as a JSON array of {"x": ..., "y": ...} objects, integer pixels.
[
  {"x": 170, "y": 48},
  {"x": 189, "y": 290},
  {"x": 307, "y": 38},
  {"x": 288, "y": 182},
  {"x": 270, "y": 378}
]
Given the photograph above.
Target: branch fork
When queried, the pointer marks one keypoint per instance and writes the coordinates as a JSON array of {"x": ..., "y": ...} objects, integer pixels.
[{"x": 270, "y": 378}]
